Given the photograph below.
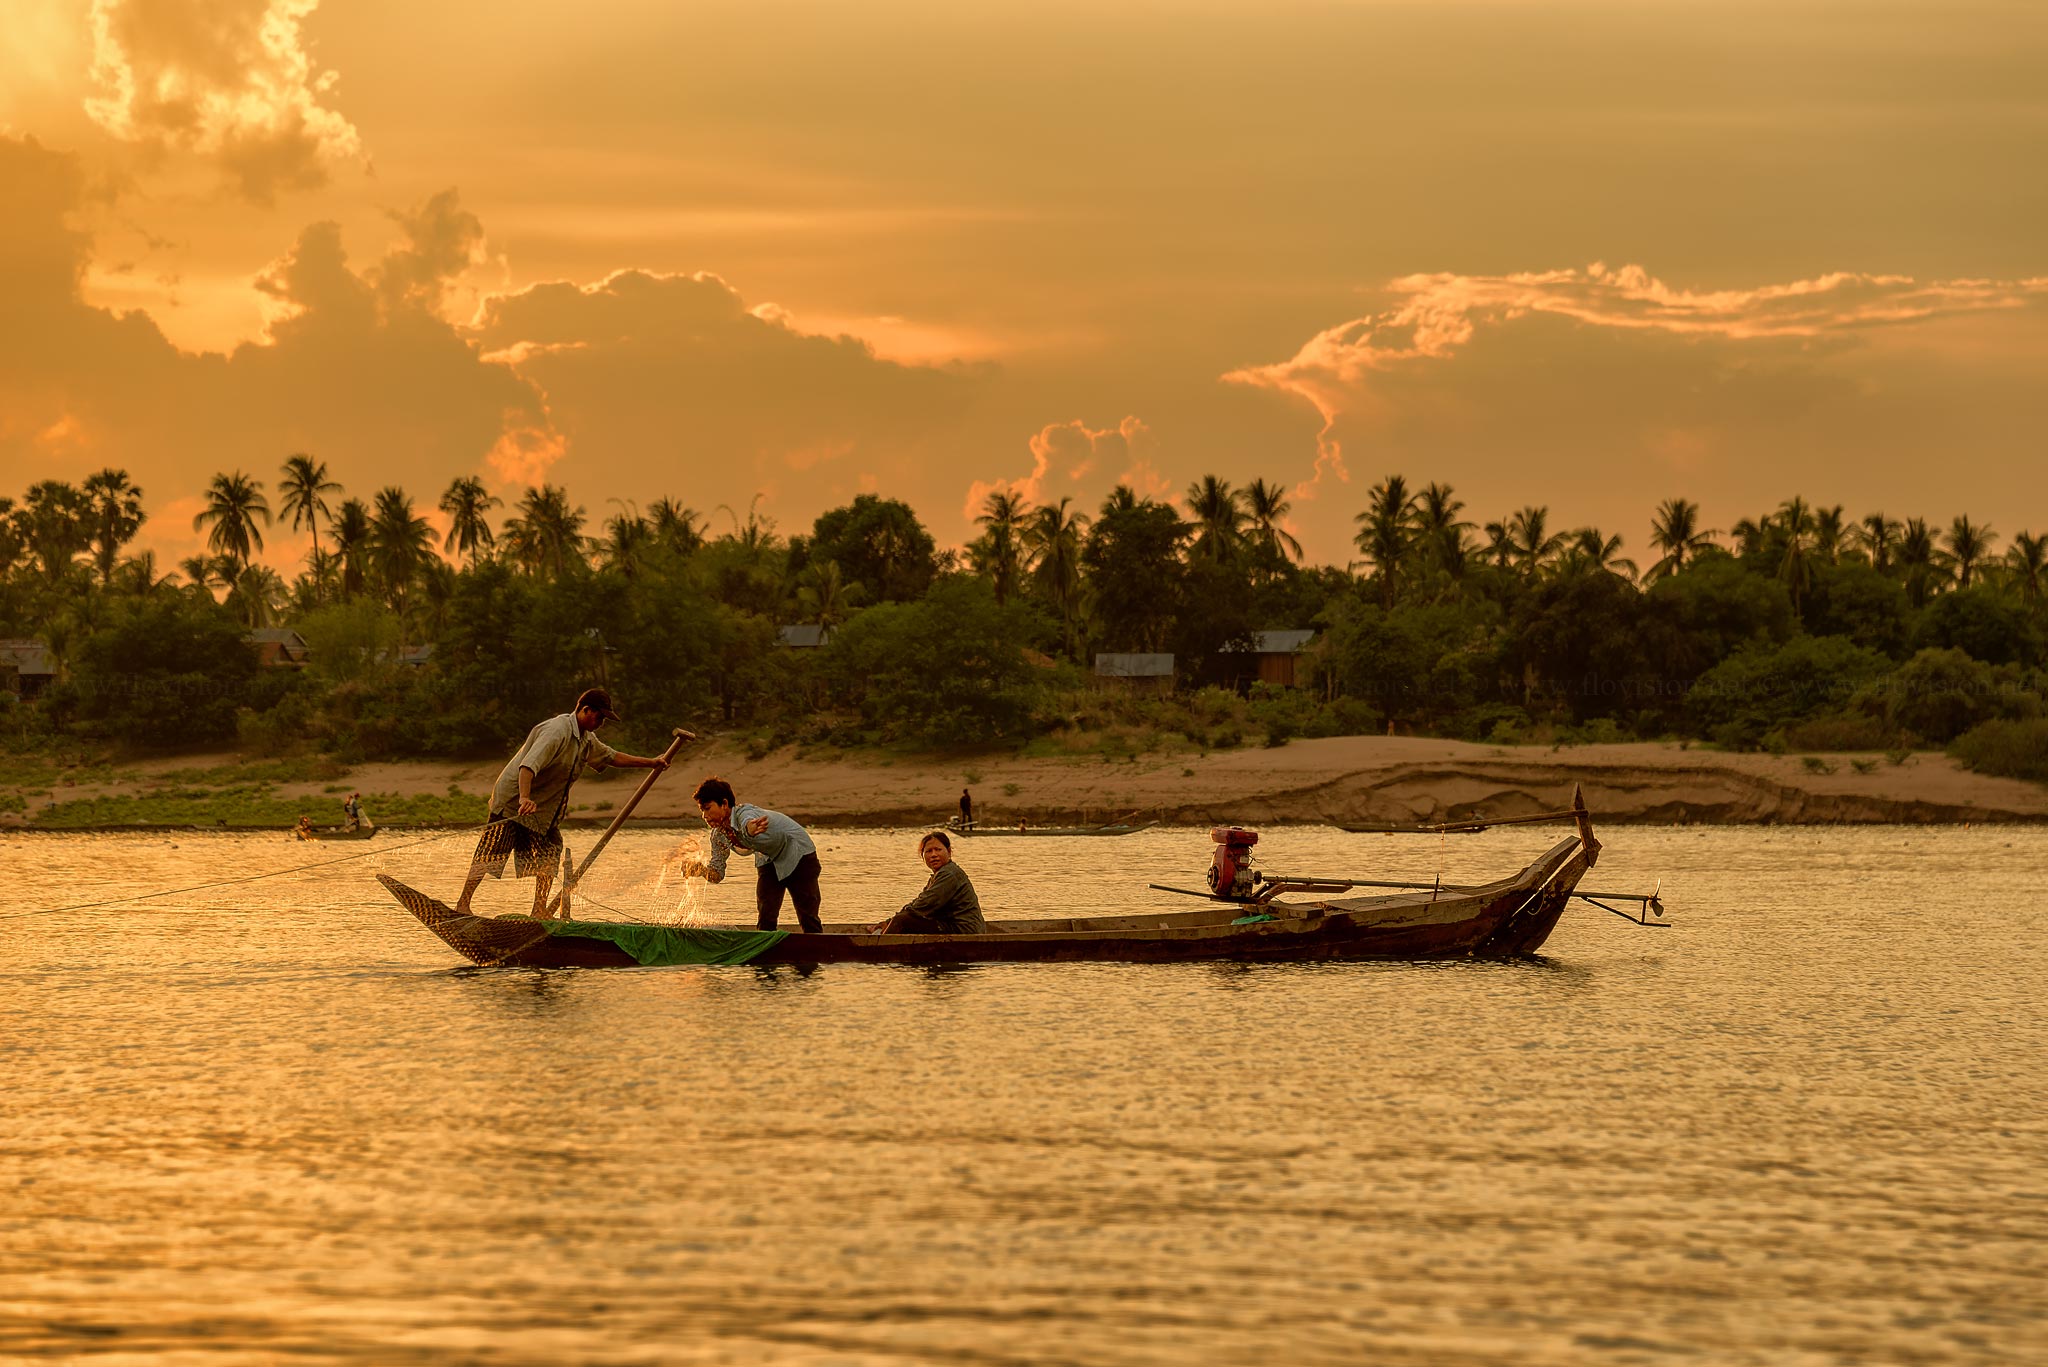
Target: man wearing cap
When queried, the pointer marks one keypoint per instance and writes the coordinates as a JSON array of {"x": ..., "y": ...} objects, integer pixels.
[{"x": 533, "y": 792}]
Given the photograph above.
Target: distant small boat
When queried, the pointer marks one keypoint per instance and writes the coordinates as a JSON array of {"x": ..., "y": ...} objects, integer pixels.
[
  {"x": 1382, "y": 828},
  {"x": 977, "y": 830},
  {"x": 363, "y": 832}
]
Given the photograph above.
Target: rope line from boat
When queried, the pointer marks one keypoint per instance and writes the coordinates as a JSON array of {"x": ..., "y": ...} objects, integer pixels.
[{"x": 257, "y": 877}]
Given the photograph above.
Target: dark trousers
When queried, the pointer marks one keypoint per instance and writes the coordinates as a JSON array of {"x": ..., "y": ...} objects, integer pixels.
[{"x": 802, "y": 888}]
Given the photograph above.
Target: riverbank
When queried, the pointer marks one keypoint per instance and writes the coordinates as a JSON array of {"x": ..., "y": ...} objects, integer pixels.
[{"x": 1345, "y": 779}]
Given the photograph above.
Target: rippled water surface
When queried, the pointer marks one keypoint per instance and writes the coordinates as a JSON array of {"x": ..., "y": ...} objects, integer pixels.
[{"x": 277, "y": 1120}]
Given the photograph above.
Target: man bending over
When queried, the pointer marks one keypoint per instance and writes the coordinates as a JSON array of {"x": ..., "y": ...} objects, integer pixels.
[{"x": 785, "y": 860}]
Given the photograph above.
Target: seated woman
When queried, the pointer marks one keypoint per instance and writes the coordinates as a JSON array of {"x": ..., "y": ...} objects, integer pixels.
[
  {"x": 947, "y": 906},
  {"x": 304, "y": 830}
]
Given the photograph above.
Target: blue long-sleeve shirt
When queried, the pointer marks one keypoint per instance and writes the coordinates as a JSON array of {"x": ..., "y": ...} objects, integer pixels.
[{"x": 783, "y": 844}]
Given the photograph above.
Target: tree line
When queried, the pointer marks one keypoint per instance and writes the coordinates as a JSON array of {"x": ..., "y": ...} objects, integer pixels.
[{"x": 1797, "y": 627}]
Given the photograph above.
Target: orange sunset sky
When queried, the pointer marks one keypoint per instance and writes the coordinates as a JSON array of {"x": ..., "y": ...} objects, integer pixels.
[{"x": 1586, "y": 253}]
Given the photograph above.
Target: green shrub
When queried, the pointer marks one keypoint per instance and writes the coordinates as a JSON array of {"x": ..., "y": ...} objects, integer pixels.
[
  {"x": 1759, "y": 689},
  {"x": 1851, "y": 732},
  {"x": 2008, "y": 749},
  {"x": 1941, "y": 693}
]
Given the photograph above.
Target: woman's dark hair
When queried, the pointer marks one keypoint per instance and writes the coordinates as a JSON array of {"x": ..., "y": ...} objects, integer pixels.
[
  {"x": 714, "y": 789},
  {"x": 939, "y": 836}
]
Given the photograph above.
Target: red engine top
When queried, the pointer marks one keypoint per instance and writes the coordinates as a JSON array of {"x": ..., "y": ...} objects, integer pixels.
[{"x": 1233, "y": 835}]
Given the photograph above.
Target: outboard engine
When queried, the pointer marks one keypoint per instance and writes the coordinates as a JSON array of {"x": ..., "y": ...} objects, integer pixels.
[{"x": 1231, "y": 873}]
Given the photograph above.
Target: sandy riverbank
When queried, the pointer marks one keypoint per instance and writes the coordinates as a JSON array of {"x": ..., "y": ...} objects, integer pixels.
[{"x": 1342, "y": 779}]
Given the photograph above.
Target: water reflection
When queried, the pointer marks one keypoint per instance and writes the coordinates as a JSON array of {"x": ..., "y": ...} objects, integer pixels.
[{"x": 371, "y": 1153}]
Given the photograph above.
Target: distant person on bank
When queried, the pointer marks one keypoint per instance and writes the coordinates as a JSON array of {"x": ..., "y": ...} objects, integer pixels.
[
  {"x": 785, "y": 859},
  {"x": 966, "y": 810},
  {"x": 533, "y": 792},
  {"x": 947, "y": 906}
]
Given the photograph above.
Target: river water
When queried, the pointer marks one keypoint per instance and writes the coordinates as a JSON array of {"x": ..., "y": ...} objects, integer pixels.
[{"x": 277, "y": 1120}]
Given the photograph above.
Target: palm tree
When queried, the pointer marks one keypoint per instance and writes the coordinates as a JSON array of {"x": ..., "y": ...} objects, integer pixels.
[
  {"x": 2024, "y": 568},
  {"x": 627, "y": 539},
  {"x": 1500, "y": 543},
  {"x": 679, "y": 529},
  {"x": 756, "y": 532},
  {"x": 547, "y": 536},
  {"x": 1265, "y": 510},
  {"x": 1053, "y": 538},
  {"x": 234, "y": 504},
  {"x": 202, "y": 572},
  {"x": 256, "y": 595},
  {"x": 1968, "y": 544},
  {"x": 1385, "y": 532},
  {"x": 999, "y": 551},
  {"x": 1121, "y": 499},
  {"x": 114, "y": 514},
  {"x": 302, "y": 489},
  {"x": 351, "y": 528},
  {"x": 1535, "y": 546},
  {"x": 468, "y": 505},
  {"x": 1830, "y": 533},
  {"x": 1590, "y": 552},
  {"x": 1219, "y": 520},
  {"x": 826, "y": 597},
  {"x": 1877, "y": 536},
  {"x": 1440, "y": 533},
  {"x": 436, "y": 594},
  {"x": 137, "y": 577},
  {"x": 400, "y": 545},
  {"x": 1750, "y": 535},
  {"x": 1676, "y": 531},
  {"x": 1920, "y": 559},
  {"x": 1794, "y": 521}
]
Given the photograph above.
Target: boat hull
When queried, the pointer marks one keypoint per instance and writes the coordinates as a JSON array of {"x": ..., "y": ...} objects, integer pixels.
[{"x": 1501, "y": 920}]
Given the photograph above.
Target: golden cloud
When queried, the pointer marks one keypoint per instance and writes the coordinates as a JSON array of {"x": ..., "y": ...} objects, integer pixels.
[
  {"x": 358, "y": 366},
  {"x": 1067, "y": 452},
  {"x": 1346, "y": 371},
  {"x": 228, "y": 79}
]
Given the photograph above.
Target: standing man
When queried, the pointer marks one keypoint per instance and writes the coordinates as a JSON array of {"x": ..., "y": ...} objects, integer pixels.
[
  {"x": 785, "y": 859},
  {"x": 353, "y": 810},
  {"x": 533, "y": 792},
  {"x": 966, "y": 810}
]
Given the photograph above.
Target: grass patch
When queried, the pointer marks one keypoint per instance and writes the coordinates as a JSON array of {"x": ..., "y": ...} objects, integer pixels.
[{"x": 242, "y": 807}]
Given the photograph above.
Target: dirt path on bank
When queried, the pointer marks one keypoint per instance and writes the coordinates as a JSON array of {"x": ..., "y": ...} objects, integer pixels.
[{"x": 1342, "y": 779}]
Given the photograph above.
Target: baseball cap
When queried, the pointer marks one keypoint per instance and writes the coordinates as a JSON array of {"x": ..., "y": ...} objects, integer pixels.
[{"x": 598, "y": 701}]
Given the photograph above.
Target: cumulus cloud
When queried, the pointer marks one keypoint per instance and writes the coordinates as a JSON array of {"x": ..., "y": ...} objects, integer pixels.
[
  {"x": 678, "y": 372},
  {"x": 1353, "y": 370},
  {"x": 1064, "y": 454},
  {"x": 229, "y": 79},
  {"x": 358, "y": 367}
]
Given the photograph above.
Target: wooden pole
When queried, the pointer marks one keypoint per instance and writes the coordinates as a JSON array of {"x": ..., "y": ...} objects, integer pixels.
[{"x": 569, "y": 881}]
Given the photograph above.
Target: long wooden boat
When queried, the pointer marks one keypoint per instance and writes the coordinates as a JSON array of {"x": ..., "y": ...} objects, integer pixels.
[
  {"x": 1503, "y": 919},
  {"x": 979, "y": 831}
]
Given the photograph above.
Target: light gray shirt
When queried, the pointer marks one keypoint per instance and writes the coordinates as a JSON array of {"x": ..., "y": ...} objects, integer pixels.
[
  {"x": 783, "y": 844},
  {"x": 558, "y": 751}
]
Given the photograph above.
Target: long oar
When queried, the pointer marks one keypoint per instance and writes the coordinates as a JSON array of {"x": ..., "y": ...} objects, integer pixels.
[{"x": 569, "y": 883}]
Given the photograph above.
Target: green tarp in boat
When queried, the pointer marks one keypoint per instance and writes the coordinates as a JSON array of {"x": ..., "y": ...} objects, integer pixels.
[{"x": 675, "y": 944}]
